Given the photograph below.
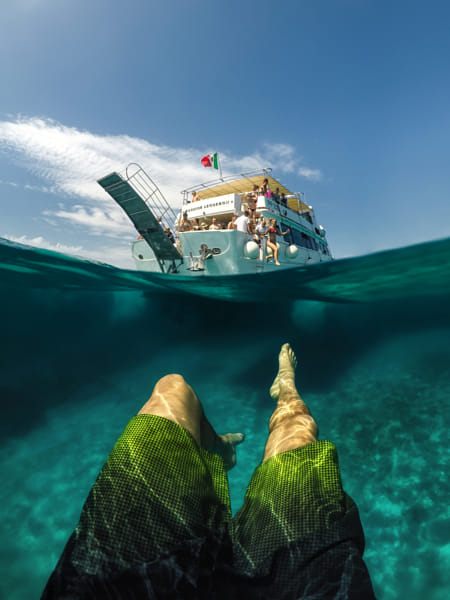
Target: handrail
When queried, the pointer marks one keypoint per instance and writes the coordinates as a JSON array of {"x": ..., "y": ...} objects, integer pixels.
[
  {"x": 152, "y": 195},
  {"x": 228, "y": 179}
]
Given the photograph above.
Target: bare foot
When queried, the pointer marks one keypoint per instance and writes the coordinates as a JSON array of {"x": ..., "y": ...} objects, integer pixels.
[
  {"x": 226, "y": 448},
  {"x": 286, "y": 371}
]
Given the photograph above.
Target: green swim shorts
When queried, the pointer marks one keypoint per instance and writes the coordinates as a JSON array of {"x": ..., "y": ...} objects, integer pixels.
[{"x": 157, "y": 524}]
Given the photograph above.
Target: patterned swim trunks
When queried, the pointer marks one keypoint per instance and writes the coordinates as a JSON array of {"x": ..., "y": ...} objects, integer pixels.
[{"x": 157, "y": 524}]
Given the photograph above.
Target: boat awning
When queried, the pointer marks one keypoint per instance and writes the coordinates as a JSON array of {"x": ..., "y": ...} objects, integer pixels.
[{"x": 245, "y": 184}]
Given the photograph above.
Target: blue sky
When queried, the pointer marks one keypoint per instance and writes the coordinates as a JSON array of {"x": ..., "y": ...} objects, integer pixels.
[{"x": 347, "y": 100}]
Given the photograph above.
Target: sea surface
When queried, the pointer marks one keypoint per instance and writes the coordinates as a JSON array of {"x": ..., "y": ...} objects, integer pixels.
[{"x": 82, "y": 345}]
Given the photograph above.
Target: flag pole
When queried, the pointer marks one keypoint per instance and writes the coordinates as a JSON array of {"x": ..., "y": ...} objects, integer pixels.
[{"x": 220, "y": 166}]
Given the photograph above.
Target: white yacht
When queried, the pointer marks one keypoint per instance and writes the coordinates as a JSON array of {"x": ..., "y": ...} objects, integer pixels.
[{"x": 185, "y": 245}]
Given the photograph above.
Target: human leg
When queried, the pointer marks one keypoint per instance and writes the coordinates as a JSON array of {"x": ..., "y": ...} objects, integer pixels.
[
  {"x": 159, "y": 508},
  {"x": 222, "y": 444},
  {"x": 275, "y": 254},
  {"x": 273, "y": 248},
  {"x": 174, "y": 399},
  {"x": 291, "y": 424},
  {"x": 298, "y": 534}
]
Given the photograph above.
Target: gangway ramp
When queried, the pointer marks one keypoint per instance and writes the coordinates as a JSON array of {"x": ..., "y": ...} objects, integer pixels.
[{"x": 149, "y": 212}]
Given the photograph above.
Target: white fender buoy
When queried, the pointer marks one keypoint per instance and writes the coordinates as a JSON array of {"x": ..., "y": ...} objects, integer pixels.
[
  {"x": 251, "y": 249},
  {"x": 291, "y": 251}
]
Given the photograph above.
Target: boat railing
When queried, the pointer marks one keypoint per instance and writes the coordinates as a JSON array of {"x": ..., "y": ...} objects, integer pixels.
[
  {"x": 223, "y": 180},
  {"x": 151, "y": 194},
  {"x": 302, "y": 217}
]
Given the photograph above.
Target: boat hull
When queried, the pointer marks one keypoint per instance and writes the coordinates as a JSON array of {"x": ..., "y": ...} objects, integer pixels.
[{"x": 229, "y": 253}]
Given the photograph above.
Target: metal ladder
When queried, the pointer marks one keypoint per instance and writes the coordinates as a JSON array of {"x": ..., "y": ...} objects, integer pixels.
[
  {"x": 152, "y": 196},
  {"x": 148, "y": 210}
]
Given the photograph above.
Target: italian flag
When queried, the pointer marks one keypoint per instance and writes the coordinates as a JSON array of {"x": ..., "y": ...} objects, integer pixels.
[{"x": 210, "y": 160}]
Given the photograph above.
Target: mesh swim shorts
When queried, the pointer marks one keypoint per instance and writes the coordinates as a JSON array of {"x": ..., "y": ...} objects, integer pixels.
[{"x": 157, "y": 524}]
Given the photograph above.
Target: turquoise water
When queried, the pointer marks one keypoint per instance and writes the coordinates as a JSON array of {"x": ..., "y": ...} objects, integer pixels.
[{"x": 83, "y": 344}]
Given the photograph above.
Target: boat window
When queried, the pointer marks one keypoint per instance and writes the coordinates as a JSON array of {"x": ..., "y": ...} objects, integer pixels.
[
  {"x": 289, "y": 237},
  {"x": 299, "y": 238},
  {"x": 306, "y": 241}
]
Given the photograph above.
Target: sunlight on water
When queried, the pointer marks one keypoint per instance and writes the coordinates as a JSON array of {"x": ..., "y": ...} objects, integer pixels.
[{"x": 77, "y": 365}]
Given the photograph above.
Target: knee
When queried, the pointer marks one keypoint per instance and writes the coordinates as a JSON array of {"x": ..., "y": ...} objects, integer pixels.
[
  {"x": 174, "y": 379},
  {"x": 293, "y": 417},
  {"x": 175, "y": 386},
  {"x": 173, "y": 383},
  {"x": 172, "y": 395}
]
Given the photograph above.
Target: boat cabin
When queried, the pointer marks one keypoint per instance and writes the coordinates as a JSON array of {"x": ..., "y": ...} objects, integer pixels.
[{"x": 225, "y": 198}]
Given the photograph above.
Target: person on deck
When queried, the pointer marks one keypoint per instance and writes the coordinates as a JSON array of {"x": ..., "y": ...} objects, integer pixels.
[
  {"x": 232, "y": 223},
  {"x": 169, "y": 234},
  {"x": 276, "y": 195},
  {"x": 272, "y": 233},
  {"x": 252, "y": 198},
  {"x": 264, "y": 187},
  {"x": 185, "y": 224},
  {"x": 157, "y": 522},
  {"x": 261, "y": 229},
  {"x": 242, "y": 222},
  {"x": 215, "y": 226}
]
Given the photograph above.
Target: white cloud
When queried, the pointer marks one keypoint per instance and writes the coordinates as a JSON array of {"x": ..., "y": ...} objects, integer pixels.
[
  {"x": 283, "y": 154},
  {"x": 101, "y": 222},
  {"x": 312, "y": 174},
  {"x": 70, "y": 161}
]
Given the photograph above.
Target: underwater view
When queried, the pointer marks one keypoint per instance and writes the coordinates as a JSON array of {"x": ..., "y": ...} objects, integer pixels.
[{"x": 83, "y": 344}]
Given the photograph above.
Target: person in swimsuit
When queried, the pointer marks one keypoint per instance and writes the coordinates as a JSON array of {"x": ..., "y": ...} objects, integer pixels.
[
  {"x": 157, "y": 522},
  {"x": 264, "y": 187},
  {"x": 252, "y": 198},
  {"x": 272, "y": 233}
]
